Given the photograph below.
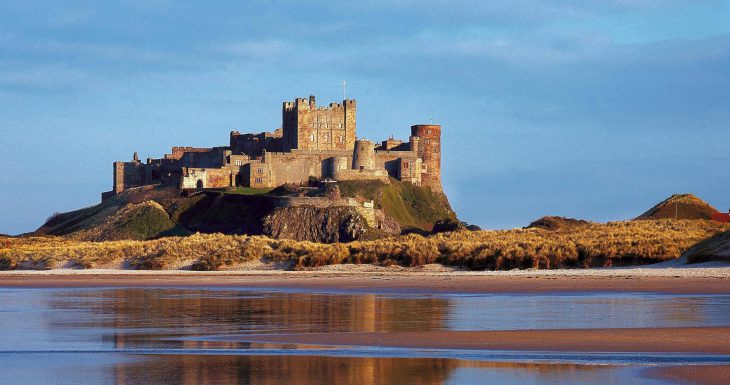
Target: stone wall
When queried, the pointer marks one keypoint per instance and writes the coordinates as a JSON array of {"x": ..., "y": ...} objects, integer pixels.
[
  {"x": 129, "y": 174},
  {"x": 193, "y": 178},
  {"x": 314, "y": 143},
  {"x": 213, "y": 158},
  {"x": 401, "y": 165},
  {"x": 178, "y": 152},
  {"x": 361, "y": 175},
  {"x": 298, "y": 166},
  {"x": 258, "y": 174},
  {"x": 254, "y": 145},
  {"x": 308, "y": 127}
]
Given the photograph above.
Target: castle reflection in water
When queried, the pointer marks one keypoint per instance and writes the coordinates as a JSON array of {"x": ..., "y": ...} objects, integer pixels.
[{"x": 187, "y": 336}]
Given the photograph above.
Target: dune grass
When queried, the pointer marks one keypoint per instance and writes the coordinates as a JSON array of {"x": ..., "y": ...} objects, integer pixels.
[
  {"x": 714, "y": 249},
  {"x": 590, "y": 245}
]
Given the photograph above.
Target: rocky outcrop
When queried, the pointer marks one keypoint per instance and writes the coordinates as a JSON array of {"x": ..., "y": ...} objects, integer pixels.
[
  {"x": 309, "y": 223},
  {"x": 388, "y": 224}
]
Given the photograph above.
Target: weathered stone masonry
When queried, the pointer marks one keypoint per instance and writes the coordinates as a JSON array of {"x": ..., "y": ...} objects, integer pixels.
[{"x": 313, "y": 144}]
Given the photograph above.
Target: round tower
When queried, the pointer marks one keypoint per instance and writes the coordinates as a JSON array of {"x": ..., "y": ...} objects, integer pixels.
[
  {"x": 363, "y": 158},
  {"x": 428, "y": 149},
  {"x": 338, "y": 163}
]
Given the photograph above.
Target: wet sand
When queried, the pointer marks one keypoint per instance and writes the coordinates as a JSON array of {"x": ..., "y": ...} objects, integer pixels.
[
  {"x": 687, "y": 340},
  {"x": 705, "y": 340},
  {"x": 677, "y": 281},
  {"x": 693, "y": 374}
]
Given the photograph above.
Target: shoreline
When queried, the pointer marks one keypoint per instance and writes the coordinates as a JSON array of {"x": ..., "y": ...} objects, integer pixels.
[
  {"x": 688, "y": 340},
  {"x": 370, "y": 279},
  {"x": 691, "y": 374}
]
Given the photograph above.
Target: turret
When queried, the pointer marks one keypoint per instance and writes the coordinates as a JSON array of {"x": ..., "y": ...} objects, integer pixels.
[
  {"x": 363, "y": 158},
  {"x": 428, "y": 148},
  {"x": 413, "y": 140}
]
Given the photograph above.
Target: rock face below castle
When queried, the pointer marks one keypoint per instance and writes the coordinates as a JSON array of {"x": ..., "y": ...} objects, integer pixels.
[{"x": 314, "y": 144}]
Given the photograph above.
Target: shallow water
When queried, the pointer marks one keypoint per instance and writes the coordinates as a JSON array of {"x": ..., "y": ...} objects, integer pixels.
[{"x": 178, "y": 335}]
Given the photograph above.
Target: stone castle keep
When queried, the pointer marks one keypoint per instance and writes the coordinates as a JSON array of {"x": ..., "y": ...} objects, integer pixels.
[{"x": 313, "y": 144}]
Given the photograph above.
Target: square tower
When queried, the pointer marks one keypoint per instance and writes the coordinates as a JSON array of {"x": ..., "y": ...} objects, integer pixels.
[{"x": 308, "y": 127}]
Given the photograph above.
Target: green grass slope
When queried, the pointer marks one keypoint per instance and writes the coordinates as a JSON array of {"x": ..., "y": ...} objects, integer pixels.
[
  {"x": 137, "y": 214},
  {"x": 415, "y": 208},
  {"x": 680, "y": 206},
  {"x": 136, "y": 221}
]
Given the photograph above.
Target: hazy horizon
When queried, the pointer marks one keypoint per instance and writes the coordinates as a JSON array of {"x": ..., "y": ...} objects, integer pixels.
[{"x": 586, "y": 109}]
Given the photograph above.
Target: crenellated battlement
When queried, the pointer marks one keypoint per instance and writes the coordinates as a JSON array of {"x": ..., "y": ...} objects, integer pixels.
[{"x": 314, "y": 143}]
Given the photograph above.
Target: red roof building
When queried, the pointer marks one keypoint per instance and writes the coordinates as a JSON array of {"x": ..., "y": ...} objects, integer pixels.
[{"x": 721, "y": 217}]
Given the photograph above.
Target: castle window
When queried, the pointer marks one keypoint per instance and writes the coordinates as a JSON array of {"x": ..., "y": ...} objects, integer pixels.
[
  {"x": 258, "y": 180},
  {"x": 405, "y": 165},
  {"x": 259, "y": 170},
  {"x": 326, "y": 138},
  {"x": 342, "y": 139},
  {"x": 238, "y": 163},
  {"x": 311, "y": 137}
]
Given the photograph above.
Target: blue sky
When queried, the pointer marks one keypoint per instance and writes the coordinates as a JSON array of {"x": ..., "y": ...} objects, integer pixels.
[{"x": 588, "y": 109}]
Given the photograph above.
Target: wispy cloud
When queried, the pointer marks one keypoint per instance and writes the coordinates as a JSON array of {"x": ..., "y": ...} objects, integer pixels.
[
  {"x": 535, "y": 82},
  {"x": 256, "y": 49},
  {"x": 42, "y": 77}
]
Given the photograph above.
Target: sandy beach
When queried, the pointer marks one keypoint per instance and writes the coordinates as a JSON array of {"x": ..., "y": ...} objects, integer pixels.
[
  {"x": 431, "y": 279},
  {"x": 434, "y": 279},
  {"x": 693, "y": 374}
]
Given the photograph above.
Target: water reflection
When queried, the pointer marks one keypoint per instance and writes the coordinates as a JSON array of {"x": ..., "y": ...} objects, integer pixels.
[
  {"x": 50, "y": 324},
  {"x": 196, "y": 369},
  {"x": 581, "y": 311},
  {"x": 193, "y": 369}
]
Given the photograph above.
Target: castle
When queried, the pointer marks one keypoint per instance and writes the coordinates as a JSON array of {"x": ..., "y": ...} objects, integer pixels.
[{"x": 314, "y": 144}]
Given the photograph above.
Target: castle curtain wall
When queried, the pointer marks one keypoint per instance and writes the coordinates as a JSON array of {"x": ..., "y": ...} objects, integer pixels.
[
  {"x": 317, "y": 143},
  {"x": 299, "y": 166}
]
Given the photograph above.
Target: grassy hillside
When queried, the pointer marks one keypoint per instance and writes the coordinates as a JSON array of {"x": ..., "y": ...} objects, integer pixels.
[
  {"x": 136, "y": 214},
  {"x": 611, "y": 244},
  {"x": 150, "y": 212},
  {"x": 137, "y": 221},
  {"x": 413, "y": 207},
  {"x": 680, "y": 206}
]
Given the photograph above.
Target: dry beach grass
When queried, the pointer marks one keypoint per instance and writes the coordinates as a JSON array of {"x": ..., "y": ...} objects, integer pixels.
[{"x": 587, "y": 245}]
